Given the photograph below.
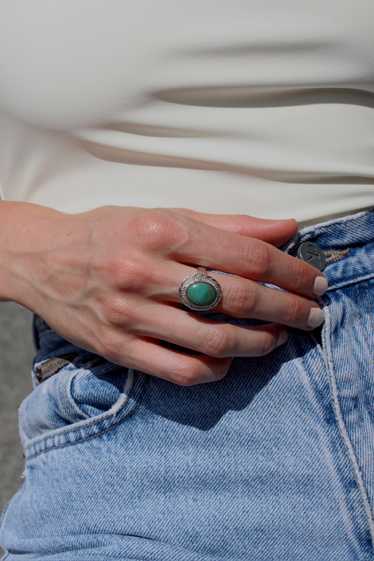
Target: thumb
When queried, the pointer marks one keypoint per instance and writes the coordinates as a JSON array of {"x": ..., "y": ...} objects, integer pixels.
[{"x": 274, "y": 231}]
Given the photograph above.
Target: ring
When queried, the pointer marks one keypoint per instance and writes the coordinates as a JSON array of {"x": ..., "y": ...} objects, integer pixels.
[{"x": 200, "y": 291}]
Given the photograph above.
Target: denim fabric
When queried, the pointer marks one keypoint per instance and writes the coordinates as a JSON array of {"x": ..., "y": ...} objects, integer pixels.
[{"x": 273, "y": 463}]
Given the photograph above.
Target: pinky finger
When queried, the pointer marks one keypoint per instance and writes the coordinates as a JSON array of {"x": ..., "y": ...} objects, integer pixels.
[{"x": 187, "y": 368}]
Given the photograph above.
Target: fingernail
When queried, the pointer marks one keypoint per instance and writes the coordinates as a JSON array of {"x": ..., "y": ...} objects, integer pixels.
[
  {"x": 316, "y": 317},
  {"x": 282, "y": 338},
  {"x": 320, "y": 286}
]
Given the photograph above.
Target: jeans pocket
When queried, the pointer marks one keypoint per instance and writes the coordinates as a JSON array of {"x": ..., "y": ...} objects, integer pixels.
[{"x": 76, "y": 395}]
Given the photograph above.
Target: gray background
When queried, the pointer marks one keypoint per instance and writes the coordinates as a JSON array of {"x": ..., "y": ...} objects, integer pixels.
[{"x": 16, "y": 355}]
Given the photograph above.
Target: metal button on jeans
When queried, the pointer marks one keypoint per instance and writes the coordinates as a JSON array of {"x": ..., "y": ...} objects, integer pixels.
[{"x": 312, "y": 254}]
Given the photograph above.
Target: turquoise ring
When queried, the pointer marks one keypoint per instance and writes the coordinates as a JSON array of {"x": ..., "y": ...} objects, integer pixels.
[{"x": 200, "y": 292}]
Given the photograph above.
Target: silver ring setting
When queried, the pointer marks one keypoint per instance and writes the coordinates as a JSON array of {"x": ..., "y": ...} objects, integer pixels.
[{"x": 200, "y": 292}]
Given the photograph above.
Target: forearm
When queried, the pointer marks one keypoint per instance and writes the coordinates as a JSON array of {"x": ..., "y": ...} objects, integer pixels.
[{"x": 25, "y": 230}]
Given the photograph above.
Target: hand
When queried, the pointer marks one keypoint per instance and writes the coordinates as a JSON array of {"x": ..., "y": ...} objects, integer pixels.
[{"x": 107, "y": 281}]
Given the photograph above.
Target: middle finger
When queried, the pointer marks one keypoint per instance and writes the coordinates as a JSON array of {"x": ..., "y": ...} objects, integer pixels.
[{"x": 248, "y": 257}]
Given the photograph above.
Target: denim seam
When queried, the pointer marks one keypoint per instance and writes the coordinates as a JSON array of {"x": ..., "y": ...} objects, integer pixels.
[
  {"x": 310, "y": 232},
  {"x": 110, "y": 418},
  {"x": 321, "y": 227},
  {"x": 352, "y": 281},
  {"x": 321, "y": 408},
  {"x": 69, "y": 394},
  {"x": 344, "y": 433},
  {"x": 82, "y": 424},
  {"x": 84, "y": 438}
]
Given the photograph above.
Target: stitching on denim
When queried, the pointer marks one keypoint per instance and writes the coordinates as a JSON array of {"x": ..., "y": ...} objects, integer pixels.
[
  {"x": 341, "y": 219},
  {"x": 84, "y": 438},
  {"x": 125, "y": 395},
  {"x": 343, "y": 430},
  {"x": 138, "y": 387},
  {"x": 75, "y": 427},
  {"x": 327, "y": 452},
  {"x": 69, "y": 394},
  {"x": 304, "y": 234},
  {"x": 117, "y": 405},
  {"x": 87, "y": 437},
  {"x": 352, "y": 281}
]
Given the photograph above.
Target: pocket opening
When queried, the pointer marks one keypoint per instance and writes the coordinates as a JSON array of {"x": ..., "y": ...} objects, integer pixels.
[{"x": 77, "y": 402}]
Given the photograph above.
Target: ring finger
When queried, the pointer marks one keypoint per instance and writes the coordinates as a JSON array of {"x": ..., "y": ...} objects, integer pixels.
[{"x": 241, "y": 297}]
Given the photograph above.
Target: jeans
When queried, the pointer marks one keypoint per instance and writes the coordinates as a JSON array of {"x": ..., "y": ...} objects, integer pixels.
[{"x": 275, "y": 462}]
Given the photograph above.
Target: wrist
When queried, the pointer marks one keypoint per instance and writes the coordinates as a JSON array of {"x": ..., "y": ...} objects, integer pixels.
[{"x": 26, "y": 236}]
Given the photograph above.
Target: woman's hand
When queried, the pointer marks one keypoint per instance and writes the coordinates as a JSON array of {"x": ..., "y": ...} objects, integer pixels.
[{"x": 107, "y": 280}]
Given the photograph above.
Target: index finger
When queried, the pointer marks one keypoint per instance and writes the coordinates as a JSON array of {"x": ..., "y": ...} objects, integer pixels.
[{"x": 248, "y": 257}]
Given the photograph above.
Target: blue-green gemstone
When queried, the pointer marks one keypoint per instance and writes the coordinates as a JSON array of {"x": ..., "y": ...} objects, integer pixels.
[{"x": 201, "y": 293}]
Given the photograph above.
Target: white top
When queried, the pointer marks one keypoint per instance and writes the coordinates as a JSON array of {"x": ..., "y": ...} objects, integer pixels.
[{"x": 262, "y": 107}]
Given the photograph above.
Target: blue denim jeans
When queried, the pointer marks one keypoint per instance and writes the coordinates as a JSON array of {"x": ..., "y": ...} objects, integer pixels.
[{"x": 275, "y": 462}]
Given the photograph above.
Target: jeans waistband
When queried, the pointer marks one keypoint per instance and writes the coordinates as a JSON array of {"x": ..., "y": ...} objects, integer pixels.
[{"x": 348, "y": 245}]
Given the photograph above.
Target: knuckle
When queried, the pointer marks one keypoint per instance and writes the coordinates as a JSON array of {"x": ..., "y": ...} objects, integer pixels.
[
  {"x": 257, "y": 255},
  {"x": 189, "y": 374},
  {"x": 130, "y": 272},
  {"x": 119, "y": 311},
  {"x": 243, "y": 298},
  {"x": 298, "y": 274},
  {"x": 217, "y": 342},
  {"x": 295, "y": 311},
  {"x": 157, "y": 228},
  {"x": 130, "y": 267}
]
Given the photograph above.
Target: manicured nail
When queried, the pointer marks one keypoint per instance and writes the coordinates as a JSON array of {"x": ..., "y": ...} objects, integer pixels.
[
  {"x": 282, "y": 338},
  {"x": 316, "y": 317},
  {"x": 320, "y": 286}
]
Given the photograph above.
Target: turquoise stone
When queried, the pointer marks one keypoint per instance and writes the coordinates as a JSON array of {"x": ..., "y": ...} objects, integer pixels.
[{"x": 201, "y": 293}]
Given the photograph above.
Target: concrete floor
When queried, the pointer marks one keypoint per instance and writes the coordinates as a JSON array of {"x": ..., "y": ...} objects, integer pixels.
[{"x": 16, "y": 354}]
